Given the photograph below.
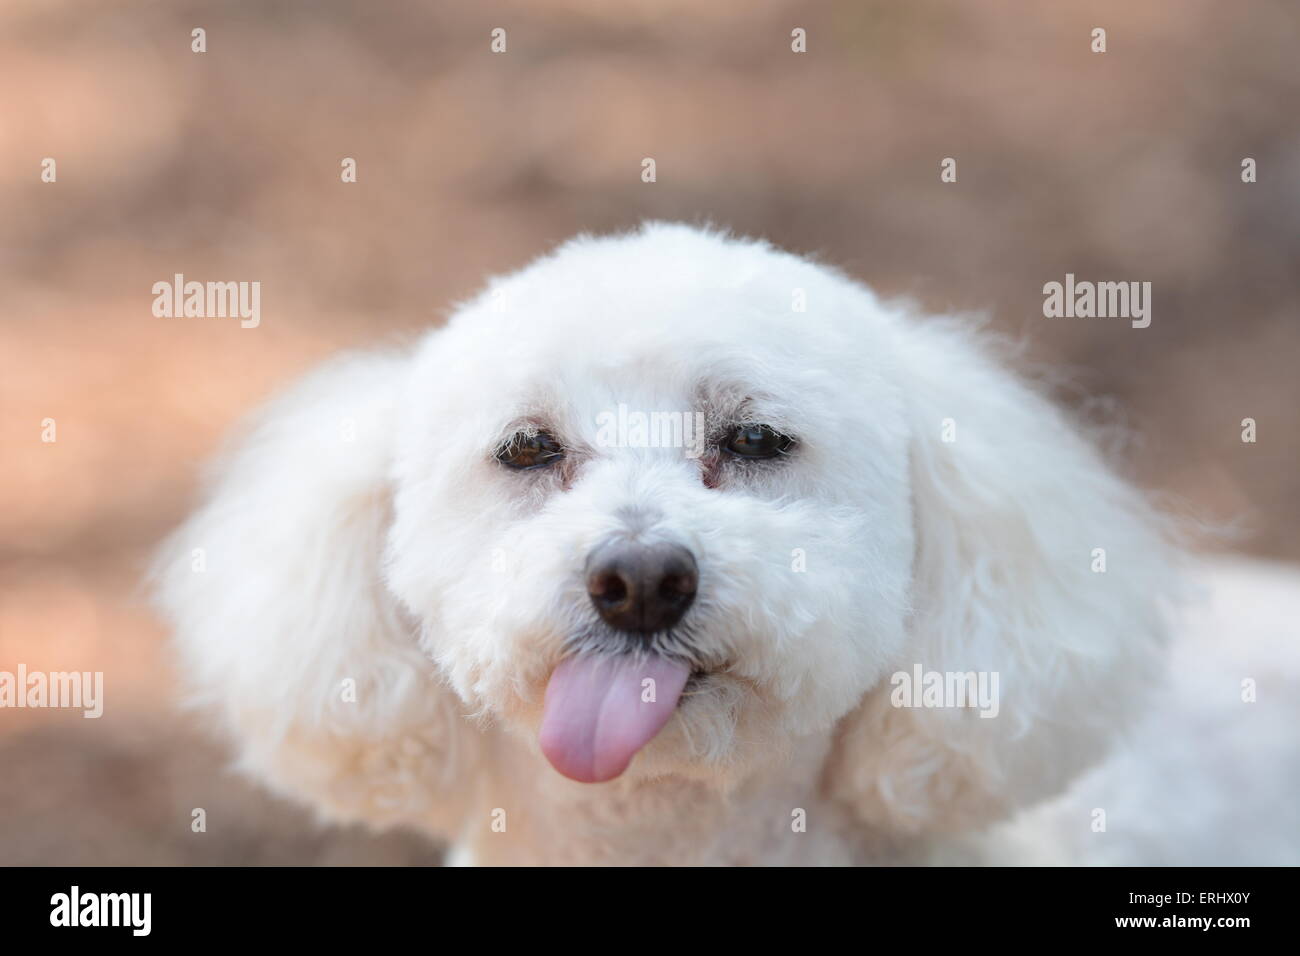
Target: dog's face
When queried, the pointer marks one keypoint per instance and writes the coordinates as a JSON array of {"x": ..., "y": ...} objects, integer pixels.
[{"x": 646, "y": 484}]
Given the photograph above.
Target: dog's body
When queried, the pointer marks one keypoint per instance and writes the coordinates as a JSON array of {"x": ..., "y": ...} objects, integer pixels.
[
  {"x": 1209, "y": 775},
  {"x": 389, "y": 614}
]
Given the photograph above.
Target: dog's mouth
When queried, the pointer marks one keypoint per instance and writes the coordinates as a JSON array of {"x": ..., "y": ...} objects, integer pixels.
[{"x": 601, "y": 710}]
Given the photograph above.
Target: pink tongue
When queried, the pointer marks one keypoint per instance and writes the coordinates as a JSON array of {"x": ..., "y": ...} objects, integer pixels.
[{"x": 595, "y": 719}]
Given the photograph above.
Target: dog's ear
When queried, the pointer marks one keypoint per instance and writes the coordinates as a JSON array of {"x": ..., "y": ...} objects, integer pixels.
[
  {"x": 1036, "y": 567},
  {"x": 284, "y": 628}
]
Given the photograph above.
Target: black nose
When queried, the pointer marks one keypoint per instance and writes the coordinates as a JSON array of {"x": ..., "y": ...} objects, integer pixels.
[{"x": 641, "y": 587}]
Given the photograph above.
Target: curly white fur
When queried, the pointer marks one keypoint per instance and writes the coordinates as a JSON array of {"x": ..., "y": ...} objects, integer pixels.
[{"x": 361, "y": 535}]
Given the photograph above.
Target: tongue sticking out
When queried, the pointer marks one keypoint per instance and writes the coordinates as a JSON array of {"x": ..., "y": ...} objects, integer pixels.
[{"x": 595, "y": 719}]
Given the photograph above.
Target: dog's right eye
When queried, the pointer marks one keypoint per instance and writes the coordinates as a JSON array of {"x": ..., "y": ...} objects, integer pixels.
[{"x": 523, "y": 451}]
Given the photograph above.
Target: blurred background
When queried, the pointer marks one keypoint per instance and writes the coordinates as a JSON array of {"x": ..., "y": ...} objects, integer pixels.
[{"x": 225, "y": 165}]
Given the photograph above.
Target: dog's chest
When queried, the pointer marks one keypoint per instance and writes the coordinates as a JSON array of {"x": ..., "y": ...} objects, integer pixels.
[{"x": 531, "y": 816}]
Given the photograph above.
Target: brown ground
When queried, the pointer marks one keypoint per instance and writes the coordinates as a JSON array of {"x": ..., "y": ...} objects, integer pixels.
[{"x": 225, "y": 165}]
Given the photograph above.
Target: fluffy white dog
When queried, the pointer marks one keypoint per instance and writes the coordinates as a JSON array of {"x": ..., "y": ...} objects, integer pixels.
[{"x": 634, "y": 560}]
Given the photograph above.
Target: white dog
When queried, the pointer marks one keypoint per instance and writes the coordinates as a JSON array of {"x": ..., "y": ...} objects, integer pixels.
[{"x": 633, "y": 561}]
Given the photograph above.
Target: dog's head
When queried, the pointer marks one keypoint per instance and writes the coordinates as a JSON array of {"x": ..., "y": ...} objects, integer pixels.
[
  {"x": 670, "y": 479},
  {"x": 674, "y": 466},
  {"x": 675, "y": 503}
]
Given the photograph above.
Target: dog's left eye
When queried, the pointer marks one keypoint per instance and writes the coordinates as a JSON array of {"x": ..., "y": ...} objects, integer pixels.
[
  {"x": 757, "y": 441},
  {"x": 523, "y": 451}
]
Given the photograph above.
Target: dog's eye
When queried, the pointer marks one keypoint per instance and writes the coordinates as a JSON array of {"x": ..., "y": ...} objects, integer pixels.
[
  {"x": 757, "y": 441},
  {"x": 530, "y": 451}
]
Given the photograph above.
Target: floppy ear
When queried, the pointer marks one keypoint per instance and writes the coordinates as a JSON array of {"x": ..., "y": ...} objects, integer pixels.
[
  {"x": 284, "y": 628},
  {"x": 1034, "y": 563}
]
